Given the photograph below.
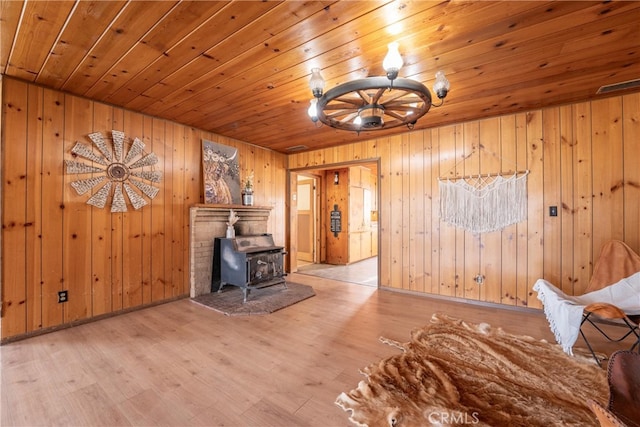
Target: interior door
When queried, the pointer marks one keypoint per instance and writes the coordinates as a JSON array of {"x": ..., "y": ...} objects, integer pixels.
[{"x": 306, "y": 217}]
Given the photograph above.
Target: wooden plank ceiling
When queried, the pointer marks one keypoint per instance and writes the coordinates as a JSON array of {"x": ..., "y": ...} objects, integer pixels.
[{"x": 241, "y": 69}]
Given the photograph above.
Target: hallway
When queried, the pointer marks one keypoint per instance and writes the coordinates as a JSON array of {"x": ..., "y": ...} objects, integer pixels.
[{"x": 363, "y": 272}]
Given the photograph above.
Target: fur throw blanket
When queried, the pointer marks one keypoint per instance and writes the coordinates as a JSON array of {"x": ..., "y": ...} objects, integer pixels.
[{"x": 454, "y": 373}]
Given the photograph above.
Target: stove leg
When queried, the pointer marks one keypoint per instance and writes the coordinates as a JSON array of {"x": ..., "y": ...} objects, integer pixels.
[
  {"x": 245, "y": 293},
  {"x": 221, "y": 286}
]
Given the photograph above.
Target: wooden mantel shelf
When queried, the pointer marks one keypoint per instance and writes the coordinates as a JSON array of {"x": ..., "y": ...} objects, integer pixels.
[
  {"x": 227, "y": 207},
  {"x": 208, "y": 221}
]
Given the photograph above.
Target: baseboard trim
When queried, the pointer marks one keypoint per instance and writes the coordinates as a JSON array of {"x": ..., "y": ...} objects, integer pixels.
[
  {"x": 80, "y": 322},
  {"x": 447, "y": 298}
]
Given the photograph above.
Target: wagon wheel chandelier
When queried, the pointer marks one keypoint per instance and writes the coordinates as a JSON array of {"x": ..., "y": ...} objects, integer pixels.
[
  {"x": 116, "y": 168},
  {"x": 374, "y": 103}
]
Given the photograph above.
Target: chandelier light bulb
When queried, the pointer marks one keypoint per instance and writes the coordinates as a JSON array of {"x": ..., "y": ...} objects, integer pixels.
[
  {"x": 441, "y": 86},
  {"x": 313, "y": 110},
  {"x": 316, "y": 83},
  {"x": 393, "y": 61},
  {"x": 358, "y": 120}
]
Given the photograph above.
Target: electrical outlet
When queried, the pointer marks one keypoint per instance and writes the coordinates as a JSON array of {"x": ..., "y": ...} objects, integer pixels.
[{"x": 63, "y": 296}]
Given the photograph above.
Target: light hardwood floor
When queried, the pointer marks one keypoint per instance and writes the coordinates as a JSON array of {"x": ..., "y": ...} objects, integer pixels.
[
  {"x": 181, "y": 364},
  {"x": 364, "y": 272}
]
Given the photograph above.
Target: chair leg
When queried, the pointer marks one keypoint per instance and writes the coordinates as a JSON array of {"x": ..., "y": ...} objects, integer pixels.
[
  {"x": 633, "y": 329},
  {"x": 593, "y": 353}
]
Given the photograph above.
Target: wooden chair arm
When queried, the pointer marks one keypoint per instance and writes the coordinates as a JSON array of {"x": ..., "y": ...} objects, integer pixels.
[
  {"x": 606, "y": 310},
  {"x": 604, "y": 416}
]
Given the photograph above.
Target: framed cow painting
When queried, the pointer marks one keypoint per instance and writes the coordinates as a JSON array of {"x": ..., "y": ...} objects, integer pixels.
[{"x": 221, "y": 174}]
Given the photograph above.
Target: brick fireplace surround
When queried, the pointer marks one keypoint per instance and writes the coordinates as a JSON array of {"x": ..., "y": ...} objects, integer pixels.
[{"x": 208, "y": 222}]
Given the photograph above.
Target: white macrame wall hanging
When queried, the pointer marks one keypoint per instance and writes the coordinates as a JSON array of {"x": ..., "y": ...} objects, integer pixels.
[{"x": 484, "y": 203}]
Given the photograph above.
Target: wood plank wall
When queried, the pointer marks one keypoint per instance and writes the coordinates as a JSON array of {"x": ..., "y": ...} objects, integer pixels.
[
  {"x": 583, "y": 158},
  {"x": 337, "y": 251},
  {"x": 52, "y": 240}
]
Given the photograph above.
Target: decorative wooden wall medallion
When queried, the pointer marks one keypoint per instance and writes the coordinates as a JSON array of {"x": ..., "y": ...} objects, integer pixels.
[{"x": 123, "y": 164}]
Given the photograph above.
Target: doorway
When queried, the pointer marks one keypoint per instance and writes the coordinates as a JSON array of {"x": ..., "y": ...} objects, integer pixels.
[
  {"x": 312, "y": 238},
  {"x": 307, "y": 220}
]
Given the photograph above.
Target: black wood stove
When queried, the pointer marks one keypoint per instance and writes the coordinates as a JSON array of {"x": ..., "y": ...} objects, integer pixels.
[{"x": 252, "y": 261}]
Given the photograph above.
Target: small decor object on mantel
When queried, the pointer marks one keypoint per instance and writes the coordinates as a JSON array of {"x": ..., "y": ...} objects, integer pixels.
[
  {"x": 247, "y": 192},
  {"x": 233, "y": 218}
]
